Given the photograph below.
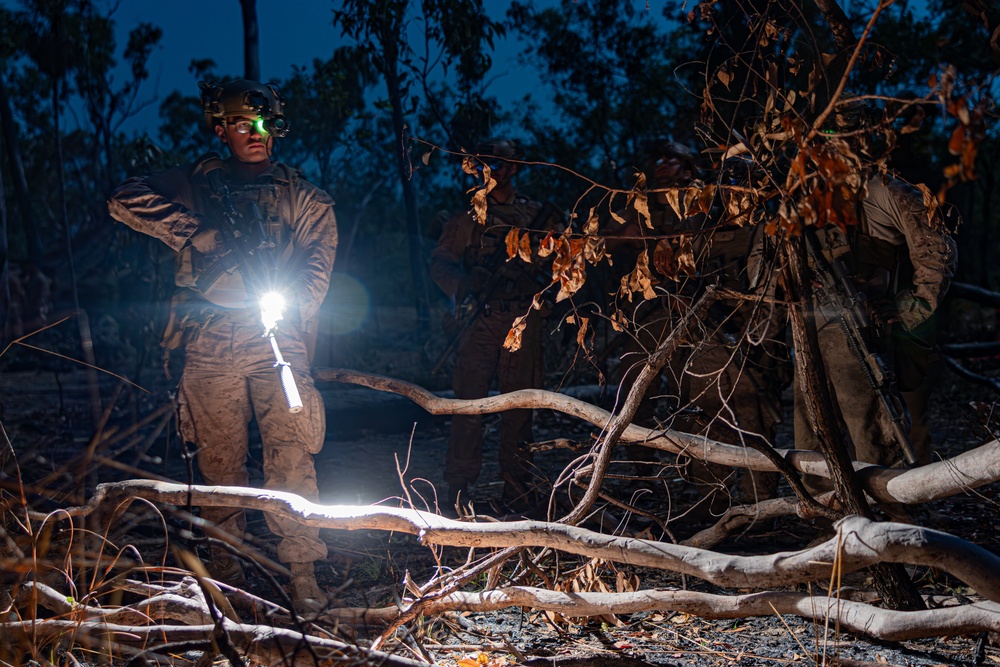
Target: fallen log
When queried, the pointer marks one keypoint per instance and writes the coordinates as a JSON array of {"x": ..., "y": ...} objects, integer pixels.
[
  {"x": 859, "y": 542},
  {"x": 969, "y": 470}
]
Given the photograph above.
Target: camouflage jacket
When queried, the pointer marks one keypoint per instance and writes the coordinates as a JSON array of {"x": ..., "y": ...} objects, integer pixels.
[
  {"x": 465, "y": 245},
  {"x": 897, "y": 239},
  {"x": 172, "y": 206}
]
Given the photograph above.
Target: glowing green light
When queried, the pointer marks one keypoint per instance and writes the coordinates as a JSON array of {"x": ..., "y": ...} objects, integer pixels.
[{"x": 259, "y": 127}]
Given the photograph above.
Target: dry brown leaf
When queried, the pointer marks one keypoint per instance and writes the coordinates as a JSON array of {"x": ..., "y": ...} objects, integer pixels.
[
  {"x": 513, "y": 238},
  {"x": 957, "y": 140},
  {"x": 685, "y": 256},
  {"x": 568, "y": 267},
  {"x": 616, "y": 217},
  {"x": 703, "y": 202},
  {"x": 590, "y": 226},
  {"x": 547, "y": 245},
  {"x": 594, "y": 249},
  {"x": 470, "y": 165},
  {"x": 930, "y": 204},
  {"x": 618, "y": 321},
  {"x": 673, "y": 196},
  {"x": 639, "y": 280},
  {"x": 479, "y": 205},
  {"x": 581, "y": 334},
  {"x": 513, "y": 342},
  {"x": 641, "y": 206},
  {"x": 524, "y": 248},
  {"x": 663, "y": 259}
]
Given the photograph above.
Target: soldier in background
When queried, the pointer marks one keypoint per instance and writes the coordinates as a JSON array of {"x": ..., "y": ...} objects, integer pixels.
[
  {"x": 470, "y": 265},
  {"x": 725, "y": 382},
  {"x": 901, "y": 260}
]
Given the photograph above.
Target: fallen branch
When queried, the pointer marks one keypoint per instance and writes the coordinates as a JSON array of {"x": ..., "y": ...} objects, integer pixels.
[
  {"x": 866, "y": 619},
  {"x": 860, "y": 542},
  {"x": 968, "y": 470},
  {"x": 265, "y": 644}
]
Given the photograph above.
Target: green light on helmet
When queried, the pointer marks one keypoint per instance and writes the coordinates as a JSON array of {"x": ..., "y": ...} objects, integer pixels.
[{"x": 260, "y": 127}]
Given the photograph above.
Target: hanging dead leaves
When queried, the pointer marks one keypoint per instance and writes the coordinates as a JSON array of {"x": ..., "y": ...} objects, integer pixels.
[{"x": 474, "y": 167}]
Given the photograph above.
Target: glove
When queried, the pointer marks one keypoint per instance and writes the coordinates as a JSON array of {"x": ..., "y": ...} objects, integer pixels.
[
  {"x": 207, "y": 242},
  {"x": 912, "y": 311}
]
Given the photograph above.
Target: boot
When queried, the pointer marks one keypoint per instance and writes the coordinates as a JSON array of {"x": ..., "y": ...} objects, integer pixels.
[
  {"x": 228, "y": 569},
  {"x": 307, "y": 596}
]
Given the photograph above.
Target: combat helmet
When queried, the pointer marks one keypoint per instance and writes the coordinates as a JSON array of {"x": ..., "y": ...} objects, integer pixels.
[
  {"x": 499, "y": 148},
  {"x": 661, "y": 148},
  {"x": 852, "y": 114},
  {"x": 243, "y": 97}
]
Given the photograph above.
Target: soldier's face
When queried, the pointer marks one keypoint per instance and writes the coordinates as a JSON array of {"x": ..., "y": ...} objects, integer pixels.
[
  {"x": 251, "y": 146},
  {"x": 670, "y": 170}
]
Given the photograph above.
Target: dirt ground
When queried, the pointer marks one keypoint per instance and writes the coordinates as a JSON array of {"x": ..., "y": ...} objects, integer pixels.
[{"x": 383, "y": 449}]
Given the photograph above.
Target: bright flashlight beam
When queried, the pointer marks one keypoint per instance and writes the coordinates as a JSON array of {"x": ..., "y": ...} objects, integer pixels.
[{"x": 272, "y": 308}]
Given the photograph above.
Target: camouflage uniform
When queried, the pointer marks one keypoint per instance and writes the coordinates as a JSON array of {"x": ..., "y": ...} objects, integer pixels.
[
  {"x": 229, "y": 375},
  {"x": 463, "y": 262},
  {"x": 895, "y": 256}
]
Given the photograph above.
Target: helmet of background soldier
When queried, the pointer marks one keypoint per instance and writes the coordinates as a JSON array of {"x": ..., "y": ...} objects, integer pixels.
[
  {"x": 661, "y": 148},
  {"x": 852, "y": 114},
  {"x": 242, "y": 97},
  {"x": 499, "y": 148}
]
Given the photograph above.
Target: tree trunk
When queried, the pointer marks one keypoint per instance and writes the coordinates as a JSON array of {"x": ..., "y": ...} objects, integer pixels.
[
  {"x": 251, "y": 40},
  {"x": 891, "y": 580},
  {"x": 417, "y": 269},
  {"x": 31, "y": 231},
  {"x": 5, "y": 321},
  {"x": 840, "y": 25},
  {"x": 86, "y": 340}
]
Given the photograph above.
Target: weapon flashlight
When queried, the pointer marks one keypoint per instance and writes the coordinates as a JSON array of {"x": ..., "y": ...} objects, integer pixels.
[{"x": 272, "y": 309}]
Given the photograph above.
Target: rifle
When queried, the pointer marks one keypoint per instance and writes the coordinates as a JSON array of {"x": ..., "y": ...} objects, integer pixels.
[
  {"x": 837, "y": 289},
  {"x": 471, "y": 307},
  {"x": 254, "y": 259}
]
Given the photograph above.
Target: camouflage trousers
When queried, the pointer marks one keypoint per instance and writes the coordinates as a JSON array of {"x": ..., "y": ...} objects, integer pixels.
[
  {"x": 229, "y": 378},
  {"x": 715, "y": 387},
  {"x": 481, "y": 358},
  {"x": 856, "y": 406}
]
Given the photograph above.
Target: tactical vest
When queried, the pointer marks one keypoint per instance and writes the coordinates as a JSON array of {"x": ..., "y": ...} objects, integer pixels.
[
  {"x": 869, "y": 259},
  {"x": 488, "y": 248},
  {"x": 725, "y": 264},
  {"x": 218, "y": 279}
]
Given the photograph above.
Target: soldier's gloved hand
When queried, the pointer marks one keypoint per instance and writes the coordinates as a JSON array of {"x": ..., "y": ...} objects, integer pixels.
[
  {"x": 883, "y": 311},
  {"x": 912, "y": 310},
  {"x": 207, "y": 242}
]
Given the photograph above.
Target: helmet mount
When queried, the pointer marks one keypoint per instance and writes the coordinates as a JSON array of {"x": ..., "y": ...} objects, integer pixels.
[{"x": 242, "y": 97}]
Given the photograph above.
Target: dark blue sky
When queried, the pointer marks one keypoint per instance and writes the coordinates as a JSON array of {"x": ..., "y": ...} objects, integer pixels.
[{"x": 292, "y": 32}]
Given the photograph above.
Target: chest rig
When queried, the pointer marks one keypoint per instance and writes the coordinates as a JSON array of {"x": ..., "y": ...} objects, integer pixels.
[
  {"x": 264, "y": 211},
  {"x": 877, "y": 267},
  {"x": 491, "y": 238}
]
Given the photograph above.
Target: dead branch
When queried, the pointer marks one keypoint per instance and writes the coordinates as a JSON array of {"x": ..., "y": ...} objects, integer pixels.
[
  {"x": 853, "y": 616},
  {"x": 860, "y": 542},
  {"x": 968, "y": 470},
  {"x": 265, "y": 644},
  {"x": 623, "y": 419}
]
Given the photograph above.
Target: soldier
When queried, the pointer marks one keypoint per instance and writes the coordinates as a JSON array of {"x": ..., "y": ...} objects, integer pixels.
[
  {"x": 469, "y": 265},
  {"x": 726, "y": 381},
  {"x": 229, "y": 372},
  {"x": 902, "y": 260}
]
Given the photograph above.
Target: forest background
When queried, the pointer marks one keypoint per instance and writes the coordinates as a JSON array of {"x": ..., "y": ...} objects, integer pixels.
[{"x": 381, "y": 122}]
